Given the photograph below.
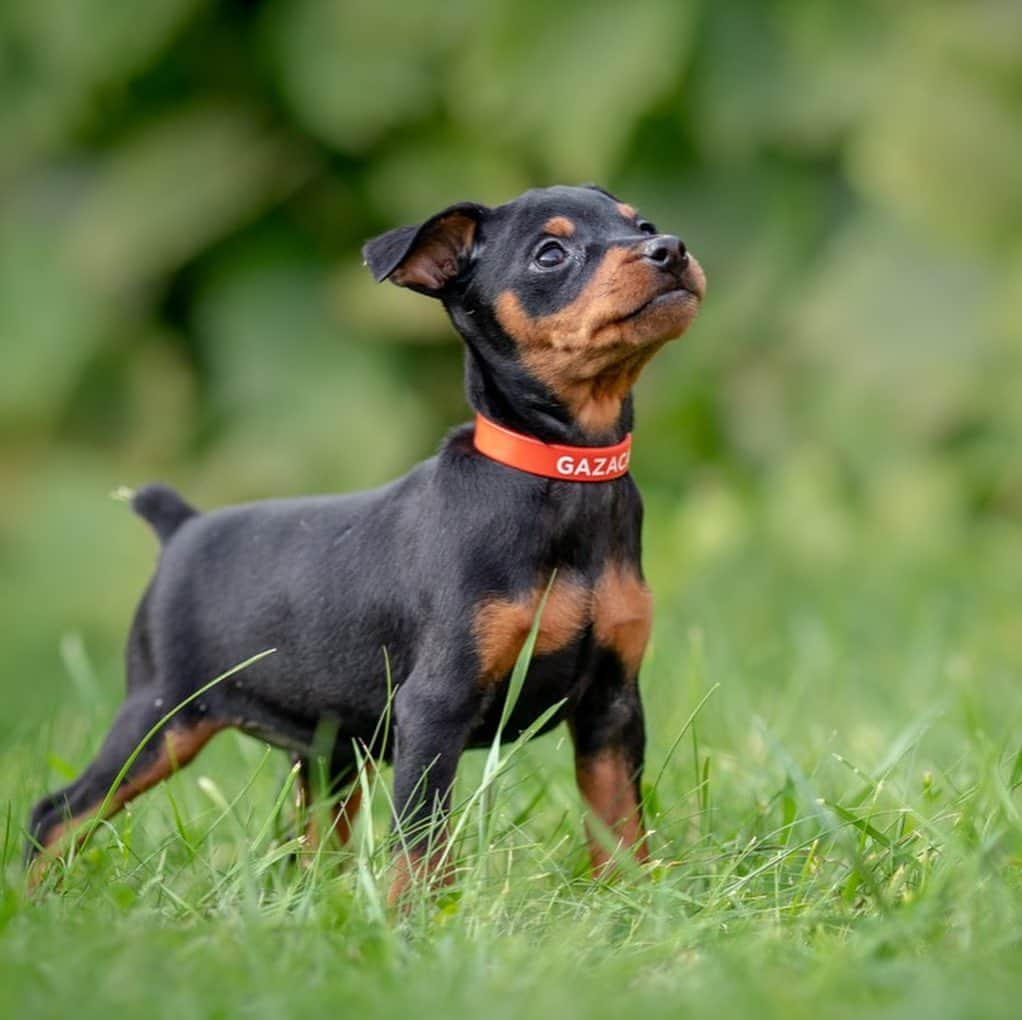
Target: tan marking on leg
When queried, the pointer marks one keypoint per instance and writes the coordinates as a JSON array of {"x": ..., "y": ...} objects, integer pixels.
[
  {"x": 177, "y": 748},
  {"x": 623, "y": 615},
  {"x": 559, "y": 226},
  {"x": 608, "y": 786},
  {"x": 590, "y": 352},
  {"x": 502, "y": 625},
  {"x": 413, "y": 867},
  {"x": 303, "y": 789},
  {"x": 343, "y": 814},
  {"x": 304, "y": 799}
]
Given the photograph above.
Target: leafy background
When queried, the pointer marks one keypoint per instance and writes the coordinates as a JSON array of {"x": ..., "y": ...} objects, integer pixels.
[
  {"x": 830, "y": 461},
  {"x": 183, "y": 196}
]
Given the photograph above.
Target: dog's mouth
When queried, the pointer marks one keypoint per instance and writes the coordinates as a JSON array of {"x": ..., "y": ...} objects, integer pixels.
[
  {"x": 683, "y": 293},
  {"x": 665, "y": 298}
]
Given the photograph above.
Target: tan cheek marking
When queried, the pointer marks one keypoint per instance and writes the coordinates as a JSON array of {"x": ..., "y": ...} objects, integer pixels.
[
  {"x": 628, "y": 211},
  {"x": 559, "y": 226},
  {"x": 585, "y": 325},
  {"x": 584, "y": 353},
  {"x": 623, "y": 615},
  {"x": 502, "y": 625},
  {"x": 581, "y": 352}
]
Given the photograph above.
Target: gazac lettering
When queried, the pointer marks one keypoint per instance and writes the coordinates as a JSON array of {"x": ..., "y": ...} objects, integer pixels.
[{"x": 592, "y": 467}]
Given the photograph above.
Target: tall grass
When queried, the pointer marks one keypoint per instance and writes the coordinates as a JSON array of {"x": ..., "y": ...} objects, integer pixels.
[{"x": 832, "y": 790}]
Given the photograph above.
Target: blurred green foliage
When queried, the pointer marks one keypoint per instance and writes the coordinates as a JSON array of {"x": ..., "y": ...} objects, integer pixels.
[{"x": 184, "y": 188}]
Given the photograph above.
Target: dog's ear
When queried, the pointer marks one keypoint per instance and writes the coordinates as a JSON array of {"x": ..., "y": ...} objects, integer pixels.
[
  {"x": 428, "y": 257},
  {"x": 603, "y": 191}
]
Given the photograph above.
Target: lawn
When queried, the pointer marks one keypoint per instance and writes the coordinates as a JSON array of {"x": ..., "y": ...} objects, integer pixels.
[
  {"x": 830, "y": 462},
  {"x": 832, "y": 784}
]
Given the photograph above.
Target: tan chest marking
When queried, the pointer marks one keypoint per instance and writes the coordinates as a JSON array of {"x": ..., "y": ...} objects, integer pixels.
[
  {"x": 619, "y": 607},
  {"x": 502, "y": 625},
  {"x": 623, "y": 615}
]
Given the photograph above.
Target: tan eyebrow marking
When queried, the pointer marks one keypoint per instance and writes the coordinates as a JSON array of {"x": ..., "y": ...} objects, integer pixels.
[
  {"x": 559, "y": 226},
  {"x": 628, "y": 211}
]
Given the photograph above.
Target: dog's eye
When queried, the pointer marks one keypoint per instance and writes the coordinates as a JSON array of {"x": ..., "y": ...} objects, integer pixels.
[
  {"x": 550, "y": 254},
  {"x": 645, "y": 227}
]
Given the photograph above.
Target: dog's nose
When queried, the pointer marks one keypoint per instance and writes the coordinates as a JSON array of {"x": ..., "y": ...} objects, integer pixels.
[{"x": 665, "y": 251}]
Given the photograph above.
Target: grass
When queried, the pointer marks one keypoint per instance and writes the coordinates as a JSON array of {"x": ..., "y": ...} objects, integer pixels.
[{"x": 832, "y": 783}]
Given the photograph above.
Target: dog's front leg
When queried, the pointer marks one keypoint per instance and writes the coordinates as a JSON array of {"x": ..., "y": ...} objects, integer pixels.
[
  {"x": 610, "y": 738},
  {"x": 433, "y": 715}
]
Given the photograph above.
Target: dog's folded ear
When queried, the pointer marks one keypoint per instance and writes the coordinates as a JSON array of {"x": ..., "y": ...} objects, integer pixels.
[
  {"x": 591, "y": 186},
  {"x": 428, "y": 257}
]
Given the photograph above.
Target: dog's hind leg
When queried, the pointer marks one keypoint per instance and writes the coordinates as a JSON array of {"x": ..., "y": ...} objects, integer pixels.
[
  {"x": 97, "y": 790},
  {"x": 344, "y": 798}
]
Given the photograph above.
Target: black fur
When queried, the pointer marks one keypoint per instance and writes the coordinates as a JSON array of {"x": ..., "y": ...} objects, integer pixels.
[
  {"x": 163, "y": 508},
  {"x": 342, "y": 585}
]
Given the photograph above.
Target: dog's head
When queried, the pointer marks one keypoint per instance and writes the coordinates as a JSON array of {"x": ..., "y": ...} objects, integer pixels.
[{"x": 574, "y": 284}]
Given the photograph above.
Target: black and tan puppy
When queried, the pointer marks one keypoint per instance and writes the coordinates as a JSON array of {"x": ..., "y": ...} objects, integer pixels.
[{"x": 561, "y": 297}]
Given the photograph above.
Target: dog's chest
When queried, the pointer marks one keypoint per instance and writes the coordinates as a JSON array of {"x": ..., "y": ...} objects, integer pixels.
[{"x": 617, "y": 607}]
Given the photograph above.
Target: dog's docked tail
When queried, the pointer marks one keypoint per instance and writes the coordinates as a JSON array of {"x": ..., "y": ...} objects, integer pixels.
[{"x": 162, "y": 508}]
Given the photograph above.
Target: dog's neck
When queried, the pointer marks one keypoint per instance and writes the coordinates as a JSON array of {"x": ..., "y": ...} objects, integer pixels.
[
  {"x": 506, "y": 394},
  {"x": 499, "y": 387}
]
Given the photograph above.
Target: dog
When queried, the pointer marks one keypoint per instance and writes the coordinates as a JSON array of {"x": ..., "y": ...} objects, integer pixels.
[{"x": 417, "y": 598}]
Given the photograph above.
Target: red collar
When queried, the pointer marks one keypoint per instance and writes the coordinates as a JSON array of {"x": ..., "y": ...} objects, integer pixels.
[{"x": 569, "y": 463}]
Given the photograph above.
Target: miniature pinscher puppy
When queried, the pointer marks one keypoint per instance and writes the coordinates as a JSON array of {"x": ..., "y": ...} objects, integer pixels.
[{"x": 561, "y": 297}]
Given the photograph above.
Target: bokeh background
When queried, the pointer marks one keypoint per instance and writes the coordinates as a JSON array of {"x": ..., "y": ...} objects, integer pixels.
[{"x": 185, "y": 185}]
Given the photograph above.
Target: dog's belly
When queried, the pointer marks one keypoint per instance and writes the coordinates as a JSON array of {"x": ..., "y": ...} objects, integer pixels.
[
  {"x": 357, "y": 711},
  {"x": 553, "y": 682}
]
